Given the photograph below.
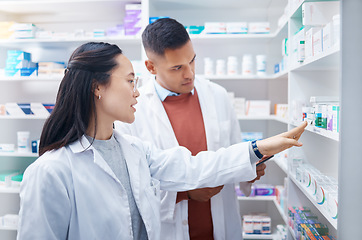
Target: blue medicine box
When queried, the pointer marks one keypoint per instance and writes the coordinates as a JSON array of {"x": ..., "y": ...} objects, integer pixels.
[
  {"x": 24, "y": 72},
  {"x": 19, "y": 55},
  {"x": 26, "y": 108},
  {"x": 12, "y": 63}
]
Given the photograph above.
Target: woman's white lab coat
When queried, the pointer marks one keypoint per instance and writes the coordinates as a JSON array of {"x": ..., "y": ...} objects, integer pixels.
[
  {"x": 222, "y": 130},
  {"x": 72, "y": 193}
]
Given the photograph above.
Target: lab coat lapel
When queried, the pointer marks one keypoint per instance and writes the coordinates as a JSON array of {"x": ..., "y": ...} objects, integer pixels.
[
  {"x": 207, "y": 103},
  {"x": 133, "y": 165},
  {"x": 159, "y": 114}
]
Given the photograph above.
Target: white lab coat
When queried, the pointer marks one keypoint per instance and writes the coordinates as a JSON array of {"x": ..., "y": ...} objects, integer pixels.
[
  {"x": 71, "y": 193},
  {"x": 222, "y": 130}
]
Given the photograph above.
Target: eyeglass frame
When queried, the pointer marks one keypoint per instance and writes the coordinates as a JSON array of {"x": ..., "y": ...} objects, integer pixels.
[{"x": 135, "y": 83}]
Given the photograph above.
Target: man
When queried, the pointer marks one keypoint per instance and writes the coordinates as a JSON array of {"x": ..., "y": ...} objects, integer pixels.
[{"x": 176, "y": 109}]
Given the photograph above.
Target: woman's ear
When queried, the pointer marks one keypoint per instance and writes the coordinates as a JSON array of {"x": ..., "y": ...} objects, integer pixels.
[
  {"x": 150, "y": 67},
  {"x": 96, "y": 90}
]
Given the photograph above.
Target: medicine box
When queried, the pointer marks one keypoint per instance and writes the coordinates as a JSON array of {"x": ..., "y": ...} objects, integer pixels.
[
  {"x": 309, "y": 51},
  {"x": 24, "y": 72},
  {"x": 16, "y": 64},
  {"x": 318, "y": 42},
  {"x": 327, "y": 37},
  {"x": 195, "y": 29},
  {"x": 319, "y": 13},
  {"x": 251, "y": 136},
  {"x": 7, "y": 147},
  {"x": 39, "y": 110},
  {"x": 281, "y": 110},
  {"x": 239, "y": 106},
  {"x": 49, "y": 107},
  {"x": 22, "y": 27},
  {"x": 25, "y": 107},
  {"x": 259, "y": 27},
  {"x": 9, "y": 221},
  {"x": 16, "y": 180},
  {"x": 50, "y": 65},
  {"x": 258, "y": 108},
  {"x": 13, "y": 109},
  {"x": 237, "y": 27},
  {"x": 215, "y": 27},
  {"x": 264, "y": 190},
  {"x": 18, "y": 55},
  {"x": 5, "y": 177},
  {"x": 133, "y": 10}
]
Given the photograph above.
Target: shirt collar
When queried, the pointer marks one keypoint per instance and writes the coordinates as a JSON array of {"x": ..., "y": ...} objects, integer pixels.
[{"x": 163, "y": 92}]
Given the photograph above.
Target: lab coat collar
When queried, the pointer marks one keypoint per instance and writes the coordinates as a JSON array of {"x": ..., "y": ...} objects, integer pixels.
[
  {"x": 131, "y": 159},
  {"x": 163, "y": 93},
  {"x": 80, "y": 145},
  {"x": 157, "y": 108}
]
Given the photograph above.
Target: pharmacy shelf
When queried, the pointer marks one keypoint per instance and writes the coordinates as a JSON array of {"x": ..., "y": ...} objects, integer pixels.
[
  {"x": 280, "y": 75},
  {"x": 268, "y": 117},
  {"x": 18, "y": 154},
  {"x": 257, "y": 198},
  {"x": 9, "y": 189},
  {"x": 27, "y": 117},
  {"x": 232, "y": 36},
  {"x": 66, "y": 42},
  {"x": 282, "y": 166},
  {"x": 49, "y": 78},
  {"x": 266, "y": 198},
  {"x": 52, "y": 6},
  {"x": 283, "y": 29},
  {"x": 281, "y": 212},
  {"x": 327, "y": 60},
  {"x": 8, "y": 228},
  {"x": 296, "y": 12},
  {"x": 258, "y": 236},
  {"x": 322, "y": 210},
  {"x": 320, "y": 131}
]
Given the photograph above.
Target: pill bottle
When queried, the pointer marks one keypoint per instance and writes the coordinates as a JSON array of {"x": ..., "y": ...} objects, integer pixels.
[{"x": 23, "y": 141}]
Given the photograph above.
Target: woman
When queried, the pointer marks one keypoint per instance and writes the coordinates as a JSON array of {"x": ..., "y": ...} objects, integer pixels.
[{"x": 93, "y": 183}]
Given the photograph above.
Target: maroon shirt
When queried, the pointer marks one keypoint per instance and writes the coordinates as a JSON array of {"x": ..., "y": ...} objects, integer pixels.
[{"x": 184, "y": 113}]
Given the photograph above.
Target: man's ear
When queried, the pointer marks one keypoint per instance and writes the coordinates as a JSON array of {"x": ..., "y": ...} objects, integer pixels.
[{"x": 151, "y": 67}]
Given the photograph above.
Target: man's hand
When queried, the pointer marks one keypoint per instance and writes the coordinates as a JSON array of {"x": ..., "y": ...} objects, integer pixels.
[
  {"x": 204, "y": 194},
  {"x": 260, "y": 171},
  {"x": 278, "y": 143}
]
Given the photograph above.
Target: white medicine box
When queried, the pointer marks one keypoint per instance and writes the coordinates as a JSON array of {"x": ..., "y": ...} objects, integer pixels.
[
  {"x": 309, "y": 41},
  {"x": 327, "y": 37},
  {"x": 319, "y": 13},
  {"x": 318, "y": 42},
  {"x": 258, "y": 108}
]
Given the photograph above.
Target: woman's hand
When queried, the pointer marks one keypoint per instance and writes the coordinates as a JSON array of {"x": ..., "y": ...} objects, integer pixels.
[{"x": 278, "y": 143}]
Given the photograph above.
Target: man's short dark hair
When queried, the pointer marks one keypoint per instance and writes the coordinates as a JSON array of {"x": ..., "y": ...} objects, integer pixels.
[{"x": 164, "y": 33}]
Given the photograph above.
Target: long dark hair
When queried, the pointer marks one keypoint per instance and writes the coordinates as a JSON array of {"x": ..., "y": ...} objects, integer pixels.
[{"x": 89, "y": 65}]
